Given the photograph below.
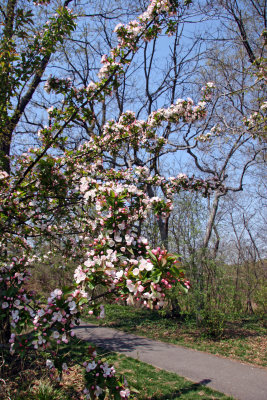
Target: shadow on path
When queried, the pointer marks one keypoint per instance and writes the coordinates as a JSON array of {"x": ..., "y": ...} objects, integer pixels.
[
  {"x": 114, "y": 342},
  {"x": 178, "y": 393}
]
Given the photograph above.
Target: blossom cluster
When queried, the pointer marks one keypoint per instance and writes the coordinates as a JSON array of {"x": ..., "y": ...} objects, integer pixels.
[
  {"x": 57, "y": 85},
  {"x": 140, "y": 133},
  {"x": 256, "y": 122},
  {"x": 208, "y": 90},
  {"x": 128, "y": 34},
  {"x": 118, "y": 251},
  {"x": 3, "y": 175},
  {"x": 182, "y": 109},
  {"x": 102, "y": 379},
  {"x": 109, "y": 66},
  {"x": 207, "y": 137},
  {"x": 15, "y": 301},
  {"x": 55, "y": 321}
]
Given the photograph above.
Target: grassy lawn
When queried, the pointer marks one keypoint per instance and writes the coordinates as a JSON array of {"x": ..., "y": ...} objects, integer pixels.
[
  {"x": 243, "y": 340},
  {"x": 145, "y": 381}
]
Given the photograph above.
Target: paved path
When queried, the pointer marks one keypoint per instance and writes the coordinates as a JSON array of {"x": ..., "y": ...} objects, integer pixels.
[{"x": 233, "y": 378}]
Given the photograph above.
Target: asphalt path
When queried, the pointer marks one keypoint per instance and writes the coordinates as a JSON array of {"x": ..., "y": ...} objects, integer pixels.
[{"x": 242, "y": 381}]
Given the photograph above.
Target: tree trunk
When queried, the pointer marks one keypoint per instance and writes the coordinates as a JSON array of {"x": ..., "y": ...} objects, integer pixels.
[
  {"x": 212, "y": 216},
  {"x": 5, "y": 331},
  {"x": 164, "y": 231},
  {"x": 203, "y": 257},
  {"x": 163, "y": 223}
]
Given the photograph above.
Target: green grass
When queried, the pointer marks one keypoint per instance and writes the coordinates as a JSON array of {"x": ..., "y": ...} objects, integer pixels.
[
  {"x": 243, "y": 339},
  {"x": 145, "y": 381}
]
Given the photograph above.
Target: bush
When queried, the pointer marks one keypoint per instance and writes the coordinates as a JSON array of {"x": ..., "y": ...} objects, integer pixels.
[{"x": 213, "y": 321}]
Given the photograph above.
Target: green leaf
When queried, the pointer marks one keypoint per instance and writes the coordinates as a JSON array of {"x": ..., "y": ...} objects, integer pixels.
[
  {"x": 156, "y": 275},
  {"x": 90, "y": 285},
  {"x": 176, "y": 271},
  {"x": 152, "y": 255}
]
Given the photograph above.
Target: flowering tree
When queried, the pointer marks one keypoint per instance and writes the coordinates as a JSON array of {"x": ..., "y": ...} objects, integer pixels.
[{"x": 52, "y": 192}]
